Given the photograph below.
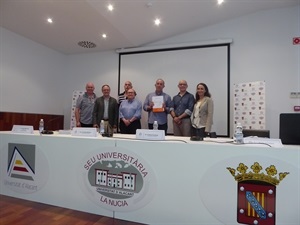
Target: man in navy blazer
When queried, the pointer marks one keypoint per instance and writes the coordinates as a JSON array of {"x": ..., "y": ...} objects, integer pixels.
[{"x": 106, "y": 108}]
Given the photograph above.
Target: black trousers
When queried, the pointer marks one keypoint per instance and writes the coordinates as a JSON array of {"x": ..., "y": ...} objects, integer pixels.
[
  {"x": 198, "y": 132},
  {"x": 131, "y": 129},
  {"x": 86, "y": 125}
]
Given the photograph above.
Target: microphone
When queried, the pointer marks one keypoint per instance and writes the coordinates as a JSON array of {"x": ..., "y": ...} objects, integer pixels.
[
  {"x": 108, "y": 132},
  {"x": 49, "y": 121},
  {"x": 196, "y": 138}
]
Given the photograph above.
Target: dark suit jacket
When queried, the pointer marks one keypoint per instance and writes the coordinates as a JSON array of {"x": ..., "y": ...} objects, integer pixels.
[{"x": 98, "y": 112}]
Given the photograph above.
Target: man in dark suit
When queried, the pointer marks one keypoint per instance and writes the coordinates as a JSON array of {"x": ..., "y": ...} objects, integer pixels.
[{"x": 106, "y": 108}]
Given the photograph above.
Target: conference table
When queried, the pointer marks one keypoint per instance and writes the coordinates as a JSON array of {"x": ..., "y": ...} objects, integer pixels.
[{"x": 171, "y": 181}]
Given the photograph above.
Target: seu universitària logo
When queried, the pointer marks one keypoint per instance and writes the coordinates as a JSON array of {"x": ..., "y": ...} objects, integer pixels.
[{"x": 117, "y": 179}]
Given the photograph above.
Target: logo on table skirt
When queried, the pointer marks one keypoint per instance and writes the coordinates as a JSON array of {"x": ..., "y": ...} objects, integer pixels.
[
  {"x": 26, "y": 169},
  {"x": 256, "y": 193},
  {"x": 117, "y": 179}
]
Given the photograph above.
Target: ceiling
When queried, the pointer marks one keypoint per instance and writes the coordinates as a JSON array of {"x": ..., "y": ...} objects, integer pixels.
[{"x": 130, "y": 24}]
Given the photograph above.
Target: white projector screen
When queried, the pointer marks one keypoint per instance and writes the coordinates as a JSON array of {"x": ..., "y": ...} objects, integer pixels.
[{"x": 207, "y": 64}]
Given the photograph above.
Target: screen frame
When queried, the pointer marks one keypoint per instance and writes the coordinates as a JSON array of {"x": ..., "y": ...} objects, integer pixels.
[{"x": 227, "y": 45}]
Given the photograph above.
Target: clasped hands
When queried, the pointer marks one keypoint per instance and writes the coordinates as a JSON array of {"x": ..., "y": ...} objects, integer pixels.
[
  {"x": 177, "y": 120},
  {"x": 126, "y": 122}
]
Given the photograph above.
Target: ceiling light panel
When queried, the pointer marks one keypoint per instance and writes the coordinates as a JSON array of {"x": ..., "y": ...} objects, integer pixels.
[
  {"x": 157, "y": 22},
  {"x": 110, "y": 7},
  {"x": 220, "y": 2}
]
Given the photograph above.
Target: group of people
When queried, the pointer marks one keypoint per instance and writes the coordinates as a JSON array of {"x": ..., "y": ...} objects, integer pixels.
[{"x": 192, "y": 116}]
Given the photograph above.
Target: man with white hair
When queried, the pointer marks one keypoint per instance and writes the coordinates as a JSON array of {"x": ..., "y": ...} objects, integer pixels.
[{"x": 85, "y": 106}]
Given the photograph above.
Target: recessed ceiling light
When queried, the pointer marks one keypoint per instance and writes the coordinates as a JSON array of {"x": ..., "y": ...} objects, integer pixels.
[
  {"x": 157, "y": 22},
  {"x": 110, "y": 7},
  {"x": 104, "y": 36},
  {"x": 220, "y": 2},
  {"x": 49, "y": 20}
]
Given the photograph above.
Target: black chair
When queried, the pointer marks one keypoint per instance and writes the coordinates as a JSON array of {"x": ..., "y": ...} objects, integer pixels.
[{"x": 256, "y": 133}]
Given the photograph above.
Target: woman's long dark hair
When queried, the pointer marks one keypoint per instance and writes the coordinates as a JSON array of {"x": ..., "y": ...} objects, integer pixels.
[{"x": 207, "y": 93}]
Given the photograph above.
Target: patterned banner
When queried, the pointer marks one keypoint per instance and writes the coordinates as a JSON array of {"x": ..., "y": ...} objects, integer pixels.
[
  {"x": 75, "y": 95},
  {"x": 250, "y": 105}
]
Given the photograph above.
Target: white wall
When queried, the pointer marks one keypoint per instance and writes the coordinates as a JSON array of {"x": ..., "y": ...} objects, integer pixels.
[
  {"x": 36, "y": 79},
  {"x": 262, "y": 49},
  {"x": 31, "y": 76},
  {"x": 99, "y": 68}
]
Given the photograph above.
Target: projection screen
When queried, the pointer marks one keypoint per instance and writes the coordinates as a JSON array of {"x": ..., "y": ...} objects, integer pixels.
[{"x": 209, "y": 64}]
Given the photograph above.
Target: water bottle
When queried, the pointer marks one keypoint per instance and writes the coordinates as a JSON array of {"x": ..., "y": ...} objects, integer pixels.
[
  {"x": 41, "y": 125},
  {"x": 155, "y": 125},
  {"x": 101, "y": 127},
  {"x": 238, "y": 134}
]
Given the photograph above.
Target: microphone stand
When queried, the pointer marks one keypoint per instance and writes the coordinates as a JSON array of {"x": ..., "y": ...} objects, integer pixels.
[{"x": 108, "y": 131}]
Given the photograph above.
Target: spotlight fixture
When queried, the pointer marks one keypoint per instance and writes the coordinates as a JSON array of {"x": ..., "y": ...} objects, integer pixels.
[
  {"x": 87, "y": 44},
  {"x": 220, "y": 2},
  {"x": 157, "y": 22},
  {"x": 49, "y": 20},
  {"x": 104, "y": 36},
  {"x": 110, "y": 7}
]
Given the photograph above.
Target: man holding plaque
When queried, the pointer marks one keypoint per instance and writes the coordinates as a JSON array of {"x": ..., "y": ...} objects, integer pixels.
[{"x": 157, "y": 104}]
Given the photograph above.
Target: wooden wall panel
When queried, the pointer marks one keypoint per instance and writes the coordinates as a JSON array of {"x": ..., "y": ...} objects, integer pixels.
[{"x": 52, "y": 122}]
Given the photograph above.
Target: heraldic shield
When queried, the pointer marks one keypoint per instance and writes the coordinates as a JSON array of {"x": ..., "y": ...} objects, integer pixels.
[
  {"x": 256, "y": 194},
  {"x": 256, "y": 203}
]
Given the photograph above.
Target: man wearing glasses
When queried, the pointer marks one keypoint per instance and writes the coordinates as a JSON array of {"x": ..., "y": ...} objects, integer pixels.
[
  {"x": 160, "y": 113},
  {"x": 181, "y": 109},
  {"x": 84, "y": 107},
  {"x": 130, "y": 113}
]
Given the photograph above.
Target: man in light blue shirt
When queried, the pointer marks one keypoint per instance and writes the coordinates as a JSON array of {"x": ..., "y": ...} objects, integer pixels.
[
  {"x": 130, "y": 112},
  {"x": 162, "y": 116}
]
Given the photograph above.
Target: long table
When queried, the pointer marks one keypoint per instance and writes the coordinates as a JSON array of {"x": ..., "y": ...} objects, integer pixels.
[{"x": 175, "y": 181}]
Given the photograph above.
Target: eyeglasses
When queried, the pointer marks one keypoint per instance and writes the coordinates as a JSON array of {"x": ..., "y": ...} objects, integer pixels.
[{"x": 182, "y": 84}]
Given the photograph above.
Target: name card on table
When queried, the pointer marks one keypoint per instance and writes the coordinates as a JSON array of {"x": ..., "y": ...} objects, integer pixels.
[
  {"x": 144, "y": 134},
  {"x": 22, "y": 129},
  {"x": 84, "y": 131},
  {"x": 275, "y": 143}
]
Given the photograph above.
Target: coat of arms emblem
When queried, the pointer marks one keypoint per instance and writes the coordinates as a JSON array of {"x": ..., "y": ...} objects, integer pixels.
[{"x": 256, "y": 193}]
